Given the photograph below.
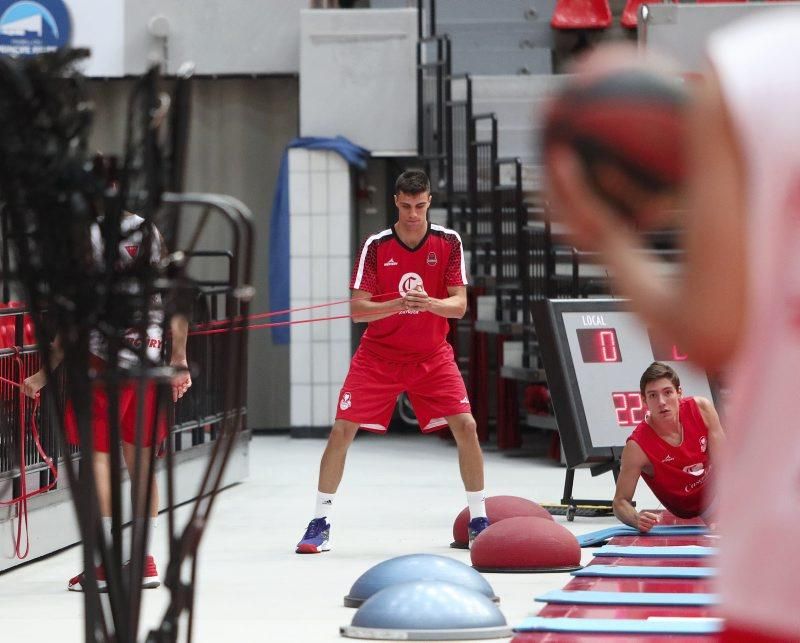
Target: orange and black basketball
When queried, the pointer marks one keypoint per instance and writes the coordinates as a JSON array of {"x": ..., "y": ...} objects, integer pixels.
[{"x": 627, "y": 128}]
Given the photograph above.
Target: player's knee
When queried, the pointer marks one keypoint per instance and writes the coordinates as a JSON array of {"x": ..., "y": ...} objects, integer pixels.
[
  {"x": 342, "y": 433},
  {"x": 467, "y": 427},
  {"x": 471, "y": 426}
]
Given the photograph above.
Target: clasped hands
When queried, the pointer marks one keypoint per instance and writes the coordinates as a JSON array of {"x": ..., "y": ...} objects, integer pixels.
[{"x": 416, "y": 299}]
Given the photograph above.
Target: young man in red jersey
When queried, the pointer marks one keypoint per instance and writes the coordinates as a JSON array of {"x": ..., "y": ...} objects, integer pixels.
[
  {"x": 407, "y": 282},
  {"x": 669, "y": 450}
]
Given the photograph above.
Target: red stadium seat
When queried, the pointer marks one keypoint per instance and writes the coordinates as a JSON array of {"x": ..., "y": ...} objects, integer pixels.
[
  {"x": 4, "y": 340},
  {"x": 581, "y": 14},
  {"x": 630, "y": 14},
  {"x": 6, "y": 332},
  {"x": 30, "y": 334}
]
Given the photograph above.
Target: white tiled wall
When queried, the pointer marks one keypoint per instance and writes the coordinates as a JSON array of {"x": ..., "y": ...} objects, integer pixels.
[{"x": 321, "y": 262}]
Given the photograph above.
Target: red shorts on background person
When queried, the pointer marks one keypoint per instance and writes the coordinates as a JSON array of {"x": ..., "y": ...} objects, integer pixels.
[{"x": 128, "y": 407}]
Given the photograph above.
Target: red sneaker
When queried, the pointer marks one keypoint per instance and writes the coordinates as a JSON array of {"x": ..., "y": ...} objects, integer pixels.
[
  {"x": 76, "y": 583},
  {"x": 150, "y": 579}
]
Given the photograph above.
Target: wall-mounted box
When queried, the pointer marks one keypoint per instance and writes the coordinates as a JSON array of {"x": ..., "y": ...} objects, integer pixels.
[{"x": 358, "y": 77}]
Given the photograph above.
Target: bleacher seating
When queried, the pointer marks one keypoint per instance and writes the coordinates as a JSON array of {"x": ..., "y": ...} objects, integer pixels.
[{"x": 481, "y": 138}]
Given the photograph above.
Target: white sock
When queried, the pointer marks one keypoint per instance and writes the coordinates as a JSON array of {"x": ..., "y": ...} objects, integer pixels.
[
  {"x": 477, "y": 504},
  {"x": 324, "y": 505},
  {"x": 151, "y": 542},
  {"x": 136, "y": 529}
]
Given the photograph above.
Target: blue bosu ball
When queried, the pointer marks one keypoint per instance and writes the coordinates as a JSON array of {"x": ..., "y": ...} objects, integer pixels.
[
  {"x": 416, "y": 567},
  {"x": 428, "y": 610}
]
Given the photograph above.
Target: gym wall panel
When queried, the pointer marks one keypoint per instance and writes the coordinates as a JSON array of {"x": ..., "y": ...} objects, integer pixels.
[
  {"x": 358, "y": 80},
  {"x": 231, "y": 37},
  {"x": 680, "y": 31}
]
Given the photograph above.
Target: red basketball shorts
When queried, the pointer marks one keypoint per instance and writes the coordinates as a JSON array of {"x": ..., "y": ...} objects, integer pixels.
[
  {"x": 128, "y": 406},
  {"x": 434, "y": 387}
]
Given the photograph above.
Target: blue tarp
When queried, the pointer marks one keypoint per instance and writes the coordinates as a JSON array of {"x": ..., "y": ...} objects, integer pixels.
[{"x": 279, "y": 277}]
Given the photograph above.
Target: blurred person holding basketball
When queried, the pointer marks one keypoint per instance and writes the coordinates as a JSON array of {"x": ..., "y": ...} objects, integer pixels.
[{"x": 736, "y": 304}]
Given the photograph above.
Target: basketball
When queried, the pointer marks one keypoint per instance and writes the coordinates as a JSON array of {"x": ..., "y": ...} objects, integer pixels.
[{"x": 627, "y": 127}]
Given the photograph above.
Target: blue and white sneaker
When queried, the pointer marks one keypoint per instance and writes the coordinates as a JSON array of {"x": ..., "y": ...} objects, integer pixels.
[
  {"x": 316, "y": 539},
  {"x": 476, "y": 526}
]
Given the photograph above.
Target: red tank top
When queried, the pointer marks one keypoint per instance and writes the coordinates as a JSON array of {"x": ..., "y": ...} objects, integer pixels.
[{"x": 679, "y": 473}]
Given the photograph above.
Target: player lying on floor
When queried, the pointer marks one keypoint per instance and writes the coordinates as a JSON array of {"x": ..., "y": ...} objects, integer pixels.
[{"x": 670, "y": 450}]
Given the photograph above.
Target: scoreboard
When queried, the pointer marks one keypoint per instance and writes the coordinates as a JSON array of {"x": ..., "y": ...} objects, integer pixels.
[{"x": 594, "y": 352}]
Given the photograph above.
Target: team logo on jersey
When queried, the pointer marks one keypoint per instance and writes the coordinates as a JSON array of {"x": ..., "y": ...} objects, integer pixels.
[
  {"x": 132, "y": 251},
  {"x": 465, "y": 400},
  {"x": 669, "y": 458},
  {"x": 697, "y": 469},
  {"x": 432, "y": 261},
  {"x": 346, "y": 402},
  {"x": 390, "y": 263},
  {"x": 703, "y": 444},
  {"x": 408, "y": 282}
]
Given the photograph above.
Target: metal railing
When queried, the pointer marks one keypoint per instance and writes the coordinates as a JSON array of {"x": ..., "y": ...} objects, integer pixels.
[
  {"x": 433, "y": 94},
  {"x": 483, "y": 177},
  {"x": 196, "y": 414},
  {"x": 510, "y": 256},
  {"x": 458, "y": 121}
]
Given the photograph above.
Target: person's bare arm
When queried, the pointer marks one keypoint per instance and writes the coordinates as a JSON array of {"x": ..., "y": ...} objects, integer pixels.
[
  {"x": 713, "y": 283},
  {"x": 633, "y": 461},
  {"x": 452, "y": 307},
  {"x": 716, "y": 435},
  {"x": 36, "y": 382},
  {"x": 364, "y": 310},
  {"x": 182, "y": 380}
]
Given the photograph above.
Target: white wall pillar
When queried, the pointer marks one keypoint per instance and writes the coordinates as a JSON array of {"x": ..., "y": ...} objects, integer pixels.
[{"x": 321, "y": 259}]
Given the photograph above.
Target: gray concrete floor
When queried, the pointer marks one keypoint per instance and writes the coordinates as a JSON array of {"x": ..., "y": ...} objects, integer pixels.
[{"x": 400, "y": 495}]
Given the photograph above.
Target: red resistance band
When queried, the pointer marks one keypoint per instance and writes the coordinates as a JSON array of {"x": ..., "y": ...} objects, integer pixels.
[
  {"x": 22, "y": 500},
  {"x": 226, "y": 325}
]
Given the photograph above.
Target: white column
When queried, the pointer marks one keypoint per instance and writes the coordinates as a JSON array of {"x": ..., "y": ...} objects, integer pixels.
[{"x": 320, "y": 202}]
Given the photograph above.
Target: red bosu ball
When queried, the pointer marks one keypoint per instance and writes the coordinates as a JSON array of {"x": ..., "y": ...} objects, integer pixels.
[
  {"x": 525, "y": 544},
  {"x": 497, "y": 508}
]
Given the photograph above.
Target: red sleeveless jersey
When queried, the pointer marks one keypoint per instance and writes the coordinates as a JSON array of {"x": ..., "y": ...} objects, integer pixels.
[
  {"x": 386, "y": 266},
  {"x": 680, "y": 474}
]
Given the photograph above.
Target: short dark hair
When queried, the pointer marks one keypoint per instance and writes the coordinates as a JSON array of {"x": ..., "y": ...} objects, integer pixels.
[
  {"x": 657, "y": 371},
  {"x": 412, "y": 182}
]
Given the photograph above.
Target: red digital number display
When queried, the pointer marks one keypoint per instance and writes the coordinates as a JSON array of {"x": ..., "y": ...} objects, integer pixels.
[
  {"x": 599, "y": 345},
  {"x": 629, "y": 406},
  {"x": 665, "y": 351}
]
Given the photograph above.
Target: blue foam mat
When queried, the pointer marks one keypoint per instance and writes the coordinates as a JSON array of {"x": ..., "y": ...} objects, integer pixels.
[
  {"x": 620, "y": 626},
  {"x": 687, "y": 551},
  {"x": 636, "y": 571},
  {"x": 599, "y": 537},
  {"x": 581, "y": 597}
]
